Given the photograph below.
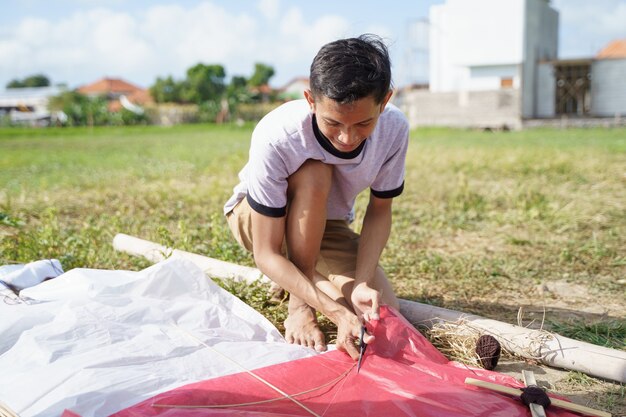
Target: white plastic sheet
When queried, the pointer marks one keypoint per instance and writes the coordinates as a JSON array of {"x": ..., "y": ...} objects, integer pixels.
[
  {"x": 25, "y": 276},
  {"x": 97, "y": 341}
]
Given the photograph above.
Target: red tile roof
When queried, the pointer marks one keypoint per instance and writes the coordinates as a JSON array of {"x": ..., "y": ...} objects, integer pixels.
[
  {"x": 615, "y": 49},
  {"x": 108, "y": 86},
  {"x": 262, "y": 89},
  {"x": 140, "y": 97}
]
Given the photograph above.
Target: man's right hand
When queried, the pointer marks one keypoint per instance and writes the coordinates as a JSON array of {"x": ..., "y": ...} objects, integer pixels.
[{"x": 348, "y": 333}]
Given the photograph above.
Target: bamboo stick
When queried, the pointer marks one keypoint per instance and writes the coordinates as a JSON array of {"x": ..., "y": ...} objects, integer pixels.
[
  {"x": 536, "y": 410},
  {"x": 212, "y": 267},
  {"x": 554, "y": 401},
  {"x": 5, "y": 411},
  {"x": 546, "y": 347}
]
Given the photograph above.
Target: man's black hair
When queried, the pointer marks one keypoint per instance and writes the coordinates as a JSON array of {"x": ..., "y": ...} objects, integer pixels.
[{"x": 347, "y": 70}]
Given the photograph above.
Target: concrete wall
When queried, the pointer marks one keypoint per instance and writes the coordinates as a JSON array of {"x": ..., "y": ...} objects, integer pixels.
[
  {"x": 545, "y": 96},
  {"x": 541, "y": 42},
  {"x": 480, "y": 109},
  {"x": 608, "y": 87}
]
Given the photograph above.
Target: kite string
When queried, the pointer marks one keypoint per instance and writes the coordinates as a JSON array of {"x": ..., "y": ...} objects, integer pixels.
[
  {"x": 332, "y": 400},
  {"x": 334, "y": 381},
  {"x": 281, "y": 392}
]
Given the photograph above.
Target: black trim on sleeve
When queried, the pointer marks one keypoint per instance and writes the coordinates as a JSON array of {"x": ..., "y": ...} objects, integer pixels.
[
  {"x": 328, "y": 146},
  {"x": 388, "y": 194},
  {"x": 265, "y": 210}
]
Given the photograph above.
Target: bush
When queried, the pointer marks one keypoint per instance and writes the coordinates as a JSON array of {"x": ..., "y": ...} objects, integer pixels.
[
  {"x": 168, "y": 114},
  {"x": 250, "y": 112}
]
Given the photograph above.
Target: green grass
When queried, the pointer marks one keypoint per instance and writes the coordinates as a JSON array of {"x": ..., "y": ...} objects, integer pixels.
[
  {"x": 485, "y": 217},
  {"x": 610, "y": 334}
]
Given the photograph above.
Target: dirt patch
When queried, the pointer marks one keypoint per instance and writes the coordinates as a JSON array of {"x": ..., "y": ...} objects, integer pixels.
[
  {"x": 465, "y": 243},
  {"x": 564, "y": 300}
]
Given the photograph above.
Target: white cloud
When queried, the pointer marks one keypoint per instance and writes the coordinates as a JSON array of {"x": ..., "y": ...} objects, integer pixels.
[
  {"x": 207, "y": 33},
  {"x": 166, "y": 37},
  {"x": 269, "y": 8},
  {"x": 298, "y": 38},
  {"x": 81, "y": 47},
  {"x": 161, "y": 40}
]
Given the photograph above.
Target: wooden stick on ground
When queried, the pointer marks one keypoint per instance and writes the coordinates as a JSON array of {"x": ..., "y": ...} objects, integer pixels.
[
  {"x": 555, "y": 401},
  {"x": 5, "y": 411},
  {"x": 535, "y": 409}
]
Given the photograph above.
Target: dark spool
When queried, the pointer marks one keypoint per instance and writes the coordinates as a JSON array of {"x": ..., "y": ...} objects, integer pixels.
[{"x": 488, "y": 350}]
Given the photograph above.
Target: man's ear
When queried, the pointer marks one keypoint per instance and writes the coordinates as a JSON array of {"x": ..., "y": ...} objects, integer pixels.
[
  {"x": 309, "y": 98},
  {"x": 386, "y": 100}
]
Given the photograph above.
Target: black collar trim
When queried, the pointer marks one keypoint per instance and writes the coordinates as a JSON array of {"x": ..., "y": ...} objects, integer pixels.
[{"x": 328, "y": 146}]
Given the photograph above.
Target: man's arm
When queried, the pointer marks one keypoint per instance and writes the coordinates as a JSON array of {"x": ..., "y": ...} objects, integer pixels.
[
  {"x": 268, "y": 235},
  {"x": 374, "y": 236}
]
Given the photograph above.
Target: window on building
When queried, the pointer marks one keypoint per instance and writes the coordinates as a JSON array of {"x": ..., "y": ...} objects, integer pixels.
[{"x": 506, "y": 82}]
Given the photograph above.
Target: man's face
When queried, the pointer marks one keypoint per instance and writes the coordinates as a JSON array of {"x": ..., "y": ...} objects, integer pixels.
[{"x": 346, "y": 125}]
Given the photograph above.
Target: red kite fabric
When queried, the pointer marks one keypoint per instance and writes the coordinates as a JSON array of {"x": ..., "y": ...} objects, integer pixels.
[{"x": 402, "y": 375}]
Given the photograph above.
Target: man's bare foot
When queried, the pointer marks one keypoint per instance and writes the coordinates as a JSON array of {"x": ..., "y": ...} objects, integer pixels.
[{"x": 301, "y": 328}]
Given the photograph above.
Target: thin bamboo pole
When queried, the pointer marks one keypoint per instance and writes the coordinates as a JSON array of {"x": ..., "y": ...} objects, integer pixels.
[
  {"x": 536, "y": 410},
  {"x": 554, "y": 401},
  {"x": 5, "y": 411}
]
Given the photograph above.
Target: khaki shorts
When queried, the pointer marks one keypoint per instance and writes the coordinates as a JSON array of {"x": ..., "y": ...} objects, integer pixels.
[{"x": 337, "y": 253}]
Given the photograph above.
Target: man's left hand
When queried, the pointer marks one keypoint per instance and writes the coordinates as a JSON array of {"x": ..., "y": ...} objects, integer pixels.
[{"x": 366, "y": 302}]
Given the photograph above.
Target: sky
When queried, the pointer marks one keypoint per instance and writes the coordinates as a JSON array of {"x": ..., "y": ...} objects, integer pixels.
[{"x": 79, "y": 41}]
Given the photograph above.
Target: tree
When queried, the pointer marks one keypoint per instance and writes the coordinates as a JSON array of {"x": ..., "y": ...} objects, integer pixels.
[
  {"x": 37, "y": 80},
  {"x": 237, "y": 91},
  {"x": 80, "y": 109},
  {"x": 166, "y": 90},
  {"x": 204, "y": 83},
  {"x": 15, "y": 84},
  {"x": 261, "y": 76},
  {"x": 237, "y": 82}
]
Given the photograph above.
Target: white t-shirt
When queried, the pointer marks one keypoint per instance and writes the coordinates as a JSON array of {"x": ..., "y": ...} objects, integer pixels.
[{"x": 288, "y": 136}]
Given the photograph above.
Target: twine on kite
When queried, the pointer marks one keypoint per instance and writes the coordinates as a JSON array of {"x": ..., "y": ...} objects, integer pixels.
[
  {"x": 334, "y": 381},
  {"x": 270, "y": 385}
]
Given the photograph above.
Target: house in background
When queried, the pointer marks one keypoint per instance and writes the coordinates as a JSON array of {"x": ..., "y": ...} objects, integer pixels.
[
  {"x": 119, "y": 93},
  {"x": 294, "y": 89},
  {"x": 592, "y": 87},
  {"x": 30, "y": 105},
  {"x": 494, "y": 64}
]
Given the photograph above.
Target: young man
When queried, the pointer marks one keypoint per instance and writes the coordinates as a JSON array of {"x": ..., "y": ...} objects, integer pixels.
[{"x": 308, "y": 161}]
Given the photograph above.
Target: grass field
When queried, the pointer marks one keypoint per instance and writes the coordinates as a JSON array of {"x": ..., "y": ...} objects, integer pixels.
[{"x": 488, "y": 222}]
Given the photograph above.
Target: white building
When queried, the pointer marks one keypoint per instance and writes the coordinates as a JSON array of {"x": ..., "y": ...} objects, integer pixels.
[
  {"x": 494, "y": 63},
  {"x": 294, "y": 89},
  {"x": 481, "y": 45},
  {"x": 28, "y": 105}
]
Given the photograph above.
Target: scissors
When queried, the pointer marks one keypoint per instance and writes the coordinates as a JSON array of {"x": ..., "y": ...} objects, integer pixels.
[{"x": 362, "y": 347}]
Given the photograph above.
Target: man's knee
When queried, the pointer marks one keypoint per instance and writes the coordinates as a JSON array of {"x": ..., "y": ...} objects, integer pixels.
[{"x": 312, "y": 179}]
